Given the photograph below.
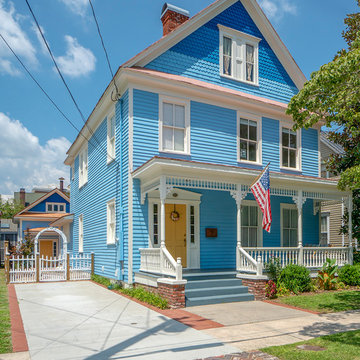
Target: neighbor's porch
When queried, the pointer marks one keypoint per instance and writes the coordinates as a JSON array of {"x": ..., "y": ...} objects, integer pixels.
[{"x": 299, "y": 197}]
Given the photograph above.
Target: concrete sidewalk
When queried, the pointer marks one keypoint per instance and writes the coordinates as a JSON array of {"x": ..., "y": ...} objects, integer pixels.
[
  {"x": 255, "y": 325},
  {"x": 81, "y": 320}
]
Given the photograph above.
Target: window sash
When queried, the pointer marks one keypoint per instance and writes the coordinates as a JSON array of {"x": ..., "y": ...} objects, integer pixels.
[
  {"x": 290, "y": 227},
  {"x": 248, "y": 140},
  {"x": 289, "y": 148},
  {"x": 249, "y": 226}
]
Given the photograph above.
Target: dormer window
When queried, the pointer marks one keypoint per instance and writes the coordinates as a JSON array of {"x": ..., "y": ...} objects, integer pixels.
[{"x": 239, "y": 55}]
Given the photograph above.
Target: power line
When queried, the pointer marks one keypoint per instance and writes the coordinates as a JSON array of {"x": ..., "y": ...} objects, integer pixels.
[
  {"x": 106, "y": 53},
  {"x": 63, "y": 80}
]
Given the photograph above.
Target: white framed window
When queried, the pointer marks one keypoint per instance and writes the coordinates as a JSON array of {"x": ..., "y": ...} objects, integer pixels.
[
  {"x": 53, "y": 207},
  {"x": 250, "y": 224},
  {"x": 81, "y": 234},
  {"x": 249, "y": 138},
  {"x": 72, "y": 171},
  {"x": 289, "y": 225},
  {"x": 239, "y": 55},
  {"x": 290, "y": 148},
  {"x": 111, "y": 222},
  {"x": 83, "y": 166},
  {"x": 174, "y": 125},
  {"x": 325, "y": 229},
  {"x": 111, "y": 123}
]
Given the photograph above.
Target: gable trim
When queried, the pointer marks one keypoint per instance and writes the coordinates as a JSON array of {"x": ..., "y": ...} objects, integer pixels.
[{"x": 38, "y": 201}]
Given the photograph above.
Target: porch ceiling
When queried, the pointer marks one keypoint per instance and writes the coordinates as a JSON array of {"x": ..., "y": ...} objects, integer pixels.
[{"x": 184, "y": 173}]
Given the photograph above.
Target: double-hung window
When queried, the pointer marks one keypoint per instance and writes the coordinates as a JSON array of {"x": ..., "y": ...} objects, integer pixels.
[
  {"x": 289, "y": 148},
  {"x": 325, "y": 229},
  {"x": 289, "y": 220},
  {"x": 239, "y": 55},
  {"x": 250, "y": 226},
  {"x": 111, "y": 222},
  {"x": 248, "y": 140},
  {"x": 111, "y": 137},
  {"x": 174, "y": 126},
  {"x": 83, "y": 166},
  {"x": 81, "y": 233}
]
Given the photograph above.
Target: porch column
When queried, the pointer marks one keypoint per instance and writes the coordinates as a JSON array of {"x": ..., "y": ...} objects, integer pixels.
[
  {"x": 299, "y": 201},
  {"x": 164, "y": 190}
]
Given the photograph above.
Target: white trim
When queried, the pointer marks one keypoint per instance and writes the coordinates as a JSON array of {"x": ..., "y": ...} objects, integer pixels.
[
  {"x": 175, "y": 101},
  {"x": 81, "y": 233},
  {"x": 110, "y": 204},
  {"x": 111, "y": 153},
  {"x": 298, "y": 149},
  {"x": 239, "y": 41},
  {"x": 130, "y": 187},
  {"x": 72, "y": 171},
  {"x": 259, "y": 227},
  {"x": 319, "y": 152},
  {"x": 258, "y": 120},
  {"x": 286, "y": 206},
  {"x": 53, "y": 204},
  {"x": 83, "y": 165}
]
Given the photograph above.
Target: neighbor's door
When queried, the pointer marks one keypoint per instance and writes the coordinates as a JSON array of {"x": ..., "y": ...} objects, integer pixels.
[
  {"x": 46, "y": 248},
  {"x": 175, "y": 232}
]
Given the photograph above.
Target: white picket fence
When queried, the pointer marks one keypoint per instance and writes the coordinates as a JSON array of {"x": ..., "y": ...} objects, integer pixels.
[
  {"x": 26, "y": 269},
  {"x": 22, "y": 269},
  {"x": 80, "y": 267}
]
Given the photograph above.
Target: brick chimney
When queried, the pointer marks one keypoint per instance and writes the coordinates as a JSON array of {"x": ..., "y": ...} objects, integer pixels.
[
  {"x": 22, "y": 196},
  {"x": 61, "y": 184},
  {"x": 172, "y": 16}
]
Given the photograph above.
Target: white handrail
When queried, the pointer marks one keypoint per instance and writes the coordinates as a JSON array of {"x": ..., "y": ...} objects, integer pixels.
[{"x": 247, "y": 263}]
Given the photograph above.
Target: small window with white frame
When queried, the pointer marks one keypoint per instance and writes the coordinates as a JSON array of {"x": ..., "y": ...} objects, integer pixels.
[
  {"x": 81, "y": 234},
  {"x": 289, "y": 225},
  {"x": 111, "y": 223},
  {"x": 83, "y": 166},
  {"x": 325, "y": 229},
  {"x": 239, "y": 55},
  {"x": 174, "y": 126},
  {"x": 111, "y": 127},
  {"x": 290, "y": 151},
  {"x": 156, "y": 225},
  {"x": 248, "y": 140},
  {"x": 52, "y": 207},
  {"x": 250, "y": 235}
]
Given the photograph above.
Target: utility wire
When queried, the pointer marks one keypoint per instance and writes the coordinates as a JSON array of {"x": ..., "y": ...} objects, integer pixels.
[
  {"x": 63, "y": 80},
  {"x": 106, "y": 53}
]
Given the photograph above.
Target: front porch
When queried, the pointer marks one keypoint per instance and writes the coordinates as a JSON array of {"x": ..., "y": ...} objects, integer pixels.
[{"x": 223, "y": 222}]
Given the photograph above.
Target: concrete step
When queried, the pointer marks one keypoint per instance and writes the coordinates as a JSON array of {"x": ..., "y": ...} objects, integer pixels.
[
  {"x": 216, "y": 291},
  {"x": 208, "y": 283},
  {"x": 218, "y": 299}
]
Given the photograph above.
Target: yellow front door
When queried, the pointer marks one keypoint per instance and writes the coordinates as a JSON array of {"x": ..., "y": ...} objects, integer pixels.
[
  {"x": 175, "y": 231},
  {"x": 46, "y": 248}
]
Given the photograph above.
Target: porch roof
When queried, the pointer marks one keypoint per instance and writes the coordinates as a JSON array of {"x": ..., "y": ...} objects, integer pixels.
[{"x": 184, "y": 173}]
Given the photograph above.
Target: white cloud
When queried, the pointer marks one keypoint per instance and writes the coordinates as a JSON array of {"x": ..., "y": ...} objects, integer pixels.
[
  {"x": 77, "y": 61},
  {"x": 39, "y": 37},
  {"x": 24, "y": 162},
  {"x": 78, "y": 7},
  {"x": 275, "y": 10},
  {"x": 11, "y": 30}
]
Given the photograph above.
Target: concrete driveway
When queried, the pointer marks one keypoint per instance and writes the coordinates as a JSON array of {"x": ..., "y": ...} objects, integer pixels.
[{"x": 81, "y": 320}]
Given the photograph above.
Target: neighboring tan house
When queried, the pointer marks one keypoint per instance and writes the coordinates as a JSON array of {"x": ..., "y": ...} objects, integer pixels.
[{"x": 332, "y": 212}]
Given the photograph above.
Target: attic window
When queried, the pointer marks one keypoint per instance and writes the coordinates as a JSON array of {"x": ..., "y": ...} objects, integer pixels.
[{"x": 239, "y": 55}]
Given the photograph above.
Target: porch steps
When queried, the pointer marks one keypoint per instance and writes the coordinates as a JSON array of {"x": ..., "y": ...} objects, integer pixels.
[{"x": 214, "y": 287}]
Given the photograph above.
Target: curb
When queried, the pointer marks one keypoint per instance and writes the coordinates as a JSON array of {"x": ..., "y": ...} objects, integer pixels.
[{"x": 18, "y": 335}]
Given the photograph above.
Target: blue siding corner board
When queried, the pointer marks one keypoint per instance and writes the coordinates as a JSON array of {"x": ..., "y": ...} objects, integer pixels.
[{"x": 197, "y": 57}]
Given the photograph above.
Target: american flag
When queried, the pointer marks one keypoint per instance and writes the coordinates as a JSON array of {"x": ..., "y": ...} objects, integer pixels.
[{"x": 261, "y": 190}]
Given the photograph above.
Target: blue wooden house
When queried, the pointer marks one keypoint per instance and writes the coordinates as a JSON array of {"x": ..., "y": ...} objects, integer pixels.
[
  {"x": 161, "y": 172},
  {"x": 50, "y": 211}
]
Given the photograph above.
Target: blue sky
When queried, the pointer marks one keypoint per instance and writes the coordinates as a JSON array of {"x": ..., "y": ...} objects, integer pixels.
[{"x": 36, "y": 137}]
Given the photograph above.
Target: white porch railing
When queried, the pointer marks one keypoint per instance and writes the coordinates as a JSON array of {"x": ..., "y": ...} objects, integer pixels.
[
  {"x": 160, "y": 261},
  {"x": 310, "y": 257},
  {"x": 80, "y": 266}
]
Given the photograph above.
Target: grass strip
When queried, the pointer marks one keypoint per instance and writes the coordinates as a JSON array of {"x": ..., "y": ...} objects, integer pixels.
[{"x": 5, "y": 324}]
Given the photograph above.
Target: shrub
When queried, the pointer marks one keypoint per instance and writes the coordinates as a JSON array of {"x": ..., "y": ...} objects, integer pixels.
[
  {"x": 101, "y": 280},
  {"x": 146, "y": 296},
  {"x": 282, "y": 290},
  {"x": 270, "y": 289},
  {"x": 350, "y": 275},
  {"x": 273, "y": 267},
  {"x": 326, "y": 275},
  {"x": 356, "y": 257},
  {"x": 295, "y": 278}
]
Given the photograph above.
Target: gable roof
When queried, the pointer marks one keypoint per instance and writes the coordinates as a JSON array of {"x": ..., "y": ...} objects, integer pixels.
[
  {"x": 336, "y": 148},
  {"x": 185, "y": 29},
  {"x": 38, "y": 201}
]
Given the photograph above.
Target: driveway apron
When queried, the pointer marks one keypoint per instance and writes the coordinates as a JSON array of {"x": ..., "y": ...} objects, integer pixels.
[{"x": 81, "y": 320}]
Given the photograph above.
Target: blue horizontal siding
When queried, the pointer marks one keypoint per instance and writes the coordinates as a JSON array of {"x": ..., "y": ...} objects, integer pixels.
[
  {"x": 197, "y": 57},
  {"x": 310, "y": 147},
  {"x": 271, "y": 143}
]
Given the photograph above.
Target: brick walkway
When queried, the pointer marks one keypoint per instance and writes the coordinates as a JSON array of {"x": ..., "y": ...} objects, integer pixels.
[{"x": 251, "y": 355}]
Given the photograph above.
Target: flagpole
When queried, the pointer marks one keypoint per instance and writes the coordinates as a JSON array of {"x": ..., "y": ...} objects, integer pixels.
[{"x": 260, "y": 175}]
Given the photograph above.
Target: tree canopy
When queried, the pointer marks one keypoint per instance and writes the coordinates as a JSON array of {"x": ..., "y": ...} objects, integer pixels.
[{"x": 9, "y": 209}]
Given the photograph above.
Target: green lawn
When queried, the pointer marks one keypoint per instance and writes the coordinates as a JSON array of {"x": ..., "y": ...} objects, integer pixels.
[
  {"x": 343, "y": 346},
  {"x": 332, "y": 301},
  {"x": 5, "y": 331}
]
